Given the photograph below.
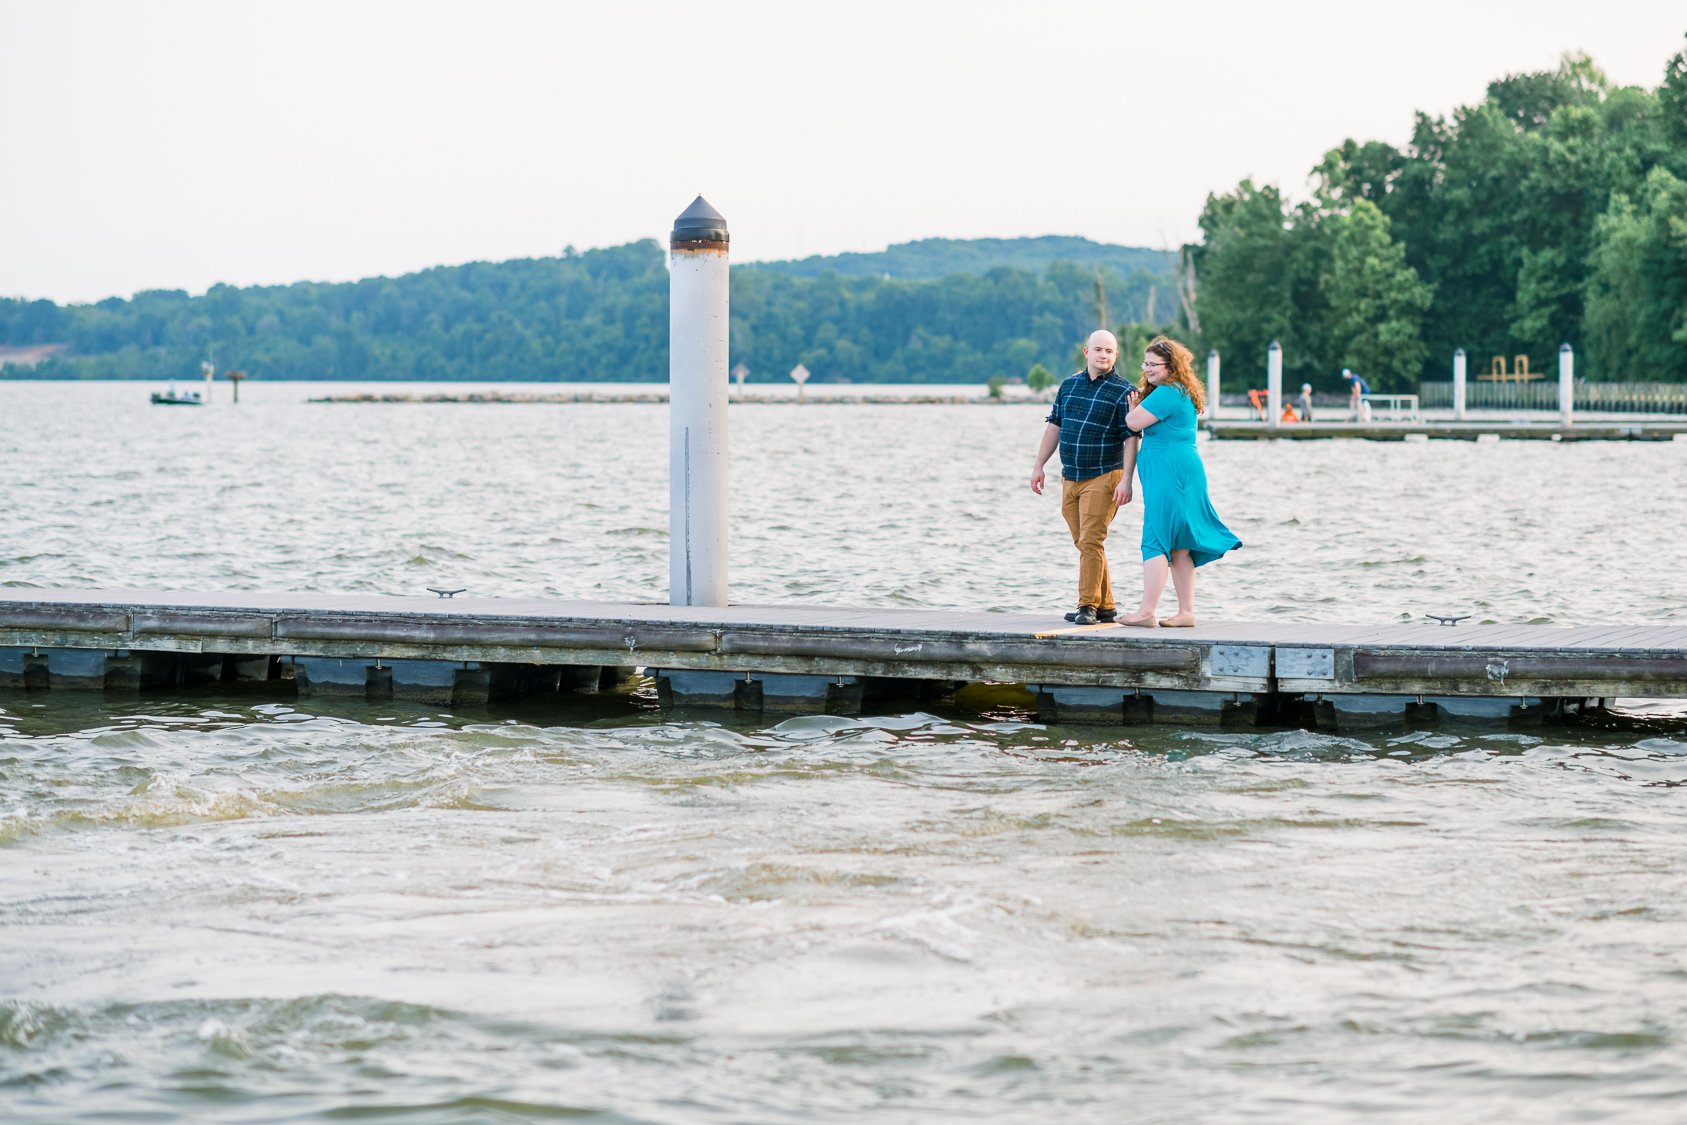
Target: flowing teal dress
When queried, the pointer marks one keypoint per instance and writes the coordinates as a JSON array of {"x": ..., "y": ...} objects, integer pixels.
[{"x": 1176, "y": 513}]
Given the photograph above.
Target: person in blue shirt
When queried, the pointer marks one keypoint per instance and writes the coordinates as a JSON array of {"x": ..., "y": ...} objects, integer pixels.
[
  {"x": 1097, "y": 456},
  {"x": 1180, "y": 530},
  {"x": 1357, "y": 390}
]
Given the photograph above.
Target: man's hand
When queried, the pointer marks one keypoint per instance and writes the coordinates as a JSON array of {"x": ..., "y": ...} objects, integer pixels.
[
  {"x": 1037, "y": 480},
  {"x": 1122, "y": 494}
]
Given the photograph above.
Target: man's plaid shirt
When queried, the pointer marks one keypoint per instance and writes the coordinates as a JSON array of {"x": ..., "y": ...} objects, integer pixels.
[{"x": 1091, "y": 416}]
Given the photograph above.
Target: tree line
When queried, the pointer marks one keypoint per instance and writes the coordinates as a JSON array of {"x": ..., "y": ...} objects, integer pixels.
[
  {"x": 602, "y": 316},
  {"x": 1554, "y": 211}
]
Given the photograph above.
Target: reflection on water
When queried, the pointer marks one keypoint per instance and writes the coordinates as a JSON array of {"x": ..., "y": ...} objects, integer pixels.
[{"x": 228, "y": 907}]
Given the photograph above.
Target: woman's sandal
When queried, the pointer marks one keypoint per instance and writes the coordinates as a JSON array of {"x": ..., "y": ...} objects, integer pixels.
[
  {"x": 1181, "y": 621},
  {"x": 1148, "y": 622}
]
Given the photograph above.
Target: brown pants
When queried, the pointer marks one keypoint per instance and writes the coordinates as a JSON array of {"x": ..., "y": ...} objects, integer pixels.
[{"x": 1088, "y": 507}]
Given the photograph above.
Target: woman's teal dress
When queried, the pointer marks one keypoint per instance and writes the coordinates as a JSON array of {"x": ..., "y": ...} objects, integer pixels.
[{"x": 1176, "y": 513}]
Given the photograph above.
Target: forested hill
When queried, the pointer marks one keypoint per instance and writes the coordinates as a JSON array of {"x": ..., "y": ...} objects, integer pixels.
[
  {"x": 944, "y": 257},
  {"x": 950, "y": 311}
]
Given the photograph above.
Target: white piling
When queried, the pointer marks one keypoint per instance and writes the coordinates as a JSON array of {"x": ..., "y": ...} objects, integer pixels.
[
  {"x": 698, "y": 317},
  {"x": 1274, "y": 385},
  {"x": 1566, "y": 384},
  {"x": 210, "y": 370},
  {"x": 1458, "y": 385},
  {"x": 1212, "y": 384}
]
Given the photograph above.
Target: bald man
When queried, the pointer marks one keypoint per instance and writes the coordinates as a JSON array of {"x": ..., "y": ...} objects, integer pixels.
[{"x": 1097, "y": 460}]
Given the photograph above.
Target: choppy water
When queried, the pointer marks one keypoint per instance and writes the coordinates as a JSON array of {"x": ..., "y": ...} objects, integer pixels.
[
  {"x": 231, "y": 908},
  {"x": 861, "y": 504}
]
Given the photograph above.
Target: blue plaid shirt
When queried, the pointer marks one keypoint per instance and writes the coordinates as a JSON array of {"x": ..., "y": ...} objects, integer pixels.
[{"x": 1091, "y": 416}]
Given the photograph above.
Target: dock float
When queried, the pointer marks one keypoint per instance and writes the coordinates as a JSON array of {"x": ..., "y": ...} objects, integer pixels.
[
  {"x": 468, "y": 652},
  {"x": 1648, "y": 430}
]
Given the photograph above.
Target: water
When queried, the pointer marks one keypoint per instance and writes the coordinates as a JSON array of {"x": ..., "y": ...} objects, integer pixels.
[{"x": 237, "y": 908}]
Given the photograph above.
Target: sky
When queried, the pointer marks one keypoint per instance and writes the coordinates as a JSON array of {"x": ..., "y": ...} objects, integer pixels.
[{"x": 167, "y": 144}]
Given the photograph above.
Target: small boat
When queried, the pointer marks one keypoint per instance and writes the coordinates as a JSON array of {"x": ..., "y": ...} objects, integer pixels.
[{"x": 172, "y": 397}]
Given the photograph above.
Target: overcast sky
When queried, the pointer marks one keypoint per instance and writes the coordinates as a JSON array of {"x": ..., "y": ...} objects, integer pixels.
[{"x": 165, "y": 144}]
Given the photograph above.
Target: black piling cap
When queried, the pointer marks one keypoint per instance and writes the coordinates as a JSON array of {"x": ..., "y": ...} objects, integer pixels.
[{"x": 699, "y": 224}]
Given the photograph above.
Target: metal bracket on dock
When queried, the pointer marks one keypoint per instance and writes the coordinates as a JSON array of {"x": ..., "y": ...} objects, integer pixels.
[
  {"x": 1240, "y": 660},
  {"x": 1306, "y": 663}
]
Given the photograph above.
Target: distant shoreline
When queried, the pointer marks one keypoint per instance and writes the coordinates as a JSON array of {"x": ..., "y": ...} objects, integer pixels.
[
  {"x": 659, "y": 397},
  {"x": 633, "y": 386}
]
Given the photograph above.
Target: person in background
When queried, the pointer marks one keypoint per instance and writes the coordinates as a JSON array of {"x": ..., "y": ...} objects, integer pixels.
[
  {"x": 1180, "y": 530},
  {"x": 1097, "y": 456},
  {"x": 1306, "y": 402},
  {"x": 1357, "y": 390}
]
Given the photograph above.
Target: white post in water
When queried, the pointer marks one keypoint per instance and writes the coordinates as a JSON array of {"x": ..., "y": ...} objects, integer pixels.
[
  {"x": 698, "y": 310},
  {"x": 1274, "y": 385},
  {"x": 209, "y": 369},
  {"x": 1458, "y": 385},
  {"x": 1212, "y": 384},
  {"x": 1566, "y": 383}
]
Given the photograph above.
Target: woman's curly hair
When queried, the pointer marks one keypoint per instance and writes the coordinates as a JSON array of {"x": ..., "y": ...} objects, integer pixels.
[{"x": 1180, "y": 367}]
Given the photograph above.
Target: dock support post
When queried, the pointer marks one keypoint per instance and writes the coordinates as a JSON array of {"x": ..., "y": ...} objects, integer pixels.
[
  {"x": 1458, "y": 385},
  {"x": 1212, "y": 384},
  {"x": 59, "y": 669},
  {"x": 1274, "y": 386},
  {"x": 1566, "y": 384},
  {"x": 698, "y": 312},
  {"x": 12, "y": 664}
]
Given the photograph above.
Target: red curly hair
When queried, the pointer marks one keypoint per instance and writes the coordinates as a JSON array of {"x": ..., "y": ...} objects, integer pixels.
[{"x": 1180, "y": 370}]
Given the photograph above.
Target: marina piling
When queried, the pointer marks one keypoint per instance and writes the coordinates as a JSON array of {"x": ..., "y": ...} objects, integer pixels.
[
  {"x": 1212, "y": 383},
  {"x": 698, "y": 319},
  {"x": 1566, "y": 384},
  {"x": 1458, "y": 385}
]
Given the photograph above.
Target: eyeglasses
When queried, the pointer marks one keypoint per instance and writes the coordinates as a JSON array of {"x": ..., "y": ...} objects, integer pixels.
[{"x": 1147, "y": 363}]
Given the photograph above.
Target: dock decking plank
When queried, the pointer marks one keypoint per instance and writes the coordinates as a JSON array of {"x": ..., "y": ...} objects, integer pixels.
[{"x": 1593, "y": 638}]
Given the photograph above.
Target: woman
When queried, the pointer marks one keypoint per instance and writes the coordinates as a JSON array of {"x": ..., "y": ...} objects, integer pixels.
[{"x": 1180, "y": 530}]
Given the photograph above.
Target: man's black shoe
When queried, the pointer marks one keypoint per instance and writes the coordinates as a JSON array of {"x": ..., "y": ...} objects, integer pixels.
[
  {"x": 1101, "y": 615},
  {"x": 1084, "y": 616}
]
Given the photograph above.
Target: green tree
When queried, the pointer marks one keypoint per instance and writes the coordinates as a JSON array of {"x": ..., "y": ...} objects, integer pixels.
[
  {"x": 1672, "y": 111},
  {"x": 1376, "y": 301},
  {"x": 1637, "y": 291},
  {"x": 1245, "y": 290},
  {"x": 1039, "y": 379},
  {"x": 1549, "y": 298}
]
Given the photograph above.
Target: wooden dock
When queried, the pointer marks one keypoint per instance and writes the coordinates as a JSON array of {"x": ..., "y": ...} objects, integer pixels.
[
  {"x": 1492, "y": 430},
  {"x": 471, "y": 651}
]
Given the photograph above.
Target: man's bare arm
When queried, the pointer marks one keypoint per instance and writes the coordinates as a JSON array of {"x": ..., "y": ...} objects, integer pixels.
[{"x": 1045, "y": 450}]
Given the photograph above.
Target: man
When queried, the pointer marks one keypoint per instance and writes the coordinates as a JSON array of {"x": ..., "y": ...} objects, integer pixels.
[
  {"x": 1358, "y": 389},
  {"x": 1306, "y": 402},
  {"x": 1097, "y": 458}
]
